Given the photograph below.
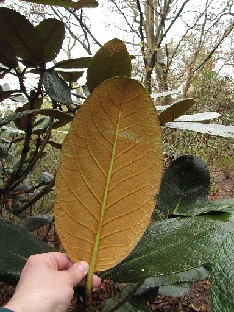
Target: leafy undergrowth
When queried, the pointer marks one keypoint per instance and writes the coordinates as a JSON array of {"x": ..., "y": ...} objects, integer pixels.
[{"x": 198, "y": 298}]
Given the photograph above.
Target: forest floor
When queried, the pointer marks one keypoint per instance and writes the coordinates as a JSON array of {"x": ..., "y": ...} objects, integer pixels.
[{"x": 198, "y": 298}]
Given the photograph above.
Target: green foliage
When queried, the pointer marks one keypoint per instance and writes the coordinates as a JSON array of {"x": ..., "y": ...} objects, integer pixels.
[
  {"x": 185, "y": 183},
  {"x": 174, "y": 245},
  {"x": 173, "y": 250},
  {"x": 16, "y": 245},
  {"x": 222, "y": 293}
]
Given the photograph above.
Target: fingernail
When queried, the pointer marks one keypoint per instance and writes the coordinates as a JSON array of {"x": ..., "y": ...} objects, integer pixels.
[{"x": 83, "y": 266}]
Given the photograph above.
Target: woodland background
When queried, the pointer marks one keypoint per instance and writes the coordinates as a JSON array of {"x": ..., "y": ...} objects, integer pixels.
[{"x": 180, "y": 49}]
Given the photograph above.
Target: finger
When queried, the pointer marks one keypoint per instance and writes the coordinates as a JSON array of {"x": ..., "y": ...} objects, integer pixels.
[
  {"x": 60, "y": 261},
  {"x": 96, "y": 281},
  {"x": 78, "y": 272},
  {"x": 53, "y": 260}
]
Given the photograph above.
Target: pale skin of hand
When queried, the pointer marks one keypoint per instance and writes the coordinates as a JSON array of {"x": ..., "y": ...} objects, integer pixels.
[{"x": 46, "y": 283}]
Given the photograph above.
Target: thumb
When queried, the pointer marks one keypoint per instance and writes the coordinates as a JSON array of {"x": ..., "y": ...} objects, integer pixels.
[{"x": 78, "y": 271}]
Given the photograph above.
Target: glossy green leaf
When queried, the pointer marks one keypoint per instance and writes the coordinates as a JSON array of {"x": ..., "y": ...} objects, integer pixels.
[
  {"x": 201, "y": 207},
  {"x": 192, "y": 275},
  {"x": 21, "y": 34},
  {"x": 16, "y": 245},
  {"x": 185, "y": 182},
  {"x": 7, "y": 54},
  {"x": 56, "y": 87},
  {"x": 175, "y": 290},
  {"x": 222, "y": 277},
  {"x": 35, "y": 222},
  {"x": 82, "y": 62},
  {"x": 52, "y": 33},
  {"x": 122, "y": 302},
  {"x": 175, "y": 110},
  {"x": 171, "y": 246},
  {"x": 111, "y": 60},
  {"x": 212, "y": 129}
]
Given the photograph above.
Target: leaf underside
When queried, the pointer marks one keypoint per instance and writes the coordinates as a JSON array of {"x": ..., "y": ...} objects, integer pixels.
[{"x": 109, "y": 173}]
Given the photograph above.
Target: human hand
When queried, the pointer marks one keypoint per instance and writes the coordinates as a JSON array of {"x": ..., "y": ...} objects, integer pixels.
[{"x": 46, "y": 283}]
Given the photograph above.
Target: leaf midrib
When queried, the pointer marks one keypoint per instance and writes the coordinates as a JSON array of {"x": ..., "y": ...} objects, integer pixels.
[{"x": 103, "y": 208}]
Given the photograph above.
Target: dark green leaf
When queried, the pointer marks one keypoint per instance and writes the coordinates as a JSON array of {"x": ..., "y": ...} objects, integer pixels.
[
  {"x": 36, "y": 222},
  {"x": 21, "y": 123},
  {"x": 55, "y": 144},
  {"x": 82, "y": 62},
  {"x": 21, "y": 34},
  {"x": 222, "y": 277},
  {"x": 61, "y": 3},
  {"x": 3, "y": 152},
  {"x": 111, "y": 60},
  {"x": 16, "y": 245},
  {"x": 185, "y": 182},
  {"x": 175, "y": 290},
  {"x": 212, "y": 129},
  {"x": 175, "y": 110},
  {"x": 56, "y": 114},
  {"x": 71, "y": 76},
  {"x": 226, "y": 205},
  {"x": 43, "y": 126},
  {"x": 47, "y": 112},
  {"x": 7, "y": 54},
  {"x": 13, "y": 117},
  {"x": 192, "y": 275},
  {"x": 173, "y": 245},
  {"x": 121, "y": 304},
  {"x": 52, "y": 33},
  {"x": 56, "y": 87},
  {"x": 5, "y": 94}
]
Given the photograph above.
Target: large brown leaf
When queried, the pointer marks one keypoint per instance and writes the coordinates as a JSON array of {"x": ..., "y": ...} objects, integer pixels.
[{"x": 109, "y": 174}]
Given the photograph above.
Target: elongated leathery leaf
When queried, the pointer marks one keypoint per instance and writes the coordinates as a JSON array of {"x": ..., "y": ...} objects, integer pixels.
[
  {"x": 185, "y": 182},
  {"x": 110, "y": 60},
  {"x": 52, "y": 33},
  {"x": 7, "y": 54},
  {"x": 56, "y": 87},
  {"x": 16, "y": 245},
  {"x": 82, "y": 62},
  {"x": 108, "y": 175},
  {"x": 67, "y": 3},
  {"x": 175, "y": 110},
  {"x": 222, "y": 277},
  {"x": 172, "y": 246},
  {"x": 21, "y": 34}
]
